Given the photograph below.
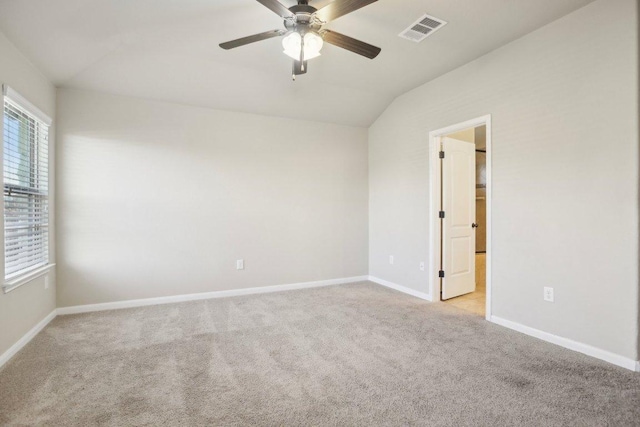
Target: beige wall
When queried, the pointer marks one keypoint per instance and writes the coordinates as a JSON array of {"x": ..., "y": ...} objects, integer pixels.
[
  {"x": 156, "y": 199},
  {"x": 564, "y": 102},
  {"x": 24, "y": 307}
]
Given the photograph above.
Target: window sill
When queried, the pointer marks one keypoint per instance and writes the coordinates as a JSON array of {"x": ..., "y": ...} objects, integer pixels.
[{"x": 30, "y": 276}]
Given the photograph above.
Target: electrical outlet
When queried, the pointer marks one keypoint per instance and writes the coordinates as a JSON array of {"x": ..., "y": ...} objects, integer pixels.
[
  {"x": 422, "y": 266},
  {"x": 548, "y": 294},
  {"x": 46, "y": 282},
  {"x": 240, "y": 264},
  {"x": 391, "y": 259}
]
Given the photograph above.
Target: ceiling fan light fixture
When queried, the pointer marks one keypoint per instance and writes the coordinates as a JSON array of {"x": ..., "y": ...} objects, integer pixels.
[
  {"x": 312, "y": 45},
  {"x": 292, "y": 45},
  {"x": 303, "y": 33}
]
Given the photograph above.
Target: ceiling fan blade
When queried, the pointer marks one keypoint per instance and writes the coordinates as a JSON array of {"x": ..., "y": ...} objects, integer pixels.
[
  {"x": 299, "y": 68},
  {"x": 340, "y": 8},
  {"x": 278, "y": 8},
  {"x": 252, "y": 39},
  {"x": 351, "y": 44}
]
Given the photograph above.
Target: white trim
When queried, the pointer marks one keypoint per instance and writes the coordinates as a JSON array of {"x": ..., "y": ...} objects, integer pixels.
[
  {"x": 598, "y": 353},
  {"x": 26, "y": 278},
  {"x": 205, "y": 295},
  {"x": 400, "y": 288},
  {"x": 7, "y": 355},
  {"x": 434, "y": 204},
  {"x": 24, "y": 103},
  {"x": 434, "y": 225},
  {"x": 489, "y": 218}
]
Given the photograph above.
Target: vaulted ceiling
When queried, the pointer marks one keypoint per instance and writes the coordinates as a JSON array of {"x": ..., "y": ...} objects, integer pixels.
[{"x": 168, "y": 50}]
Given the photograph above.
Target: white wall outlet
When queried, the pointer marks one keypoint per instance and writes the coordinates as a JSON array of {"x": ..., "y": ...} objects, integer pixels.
[
  {"x": 240, "y": 264},
  {"x": 46, "y": 282},
  {"x": 391, "y": 259},
  {"x": 422, "y": 266},
  {"x": 548, "y": 294}
]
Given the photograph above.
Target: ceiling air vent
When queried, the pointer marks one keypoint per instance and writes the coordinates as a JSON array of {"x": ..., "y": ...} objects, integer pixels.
[{"x": 422, "y": 28}]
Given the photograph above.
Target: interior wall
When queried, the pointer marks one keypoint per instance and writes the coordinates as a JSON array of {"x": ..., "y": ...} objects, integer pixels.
[
  {"x": 564, "y": 106},
  {"x": 157, "y": 199},
  {"x": 24, "y": 307},
  {"x": 638, "y": 194}
]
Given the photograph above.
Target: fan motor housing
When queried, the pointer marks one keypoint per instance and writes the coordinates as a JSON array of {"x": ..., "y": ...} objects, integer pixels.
[
  {"x": 304, "y": 20},
  {"x": 303, "y": 8},
  {"x": 304, "y": 16}
]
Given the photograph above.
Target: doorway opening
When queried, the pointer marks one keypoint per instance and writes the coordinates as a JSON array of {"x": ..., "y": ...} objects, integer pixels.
[{"x": 460, "y": 238}]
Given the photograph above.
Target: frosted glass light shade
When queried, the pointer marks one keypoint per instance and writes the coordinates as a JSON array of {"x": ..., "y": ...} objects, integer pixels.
[{"x": 293, "y": 43}]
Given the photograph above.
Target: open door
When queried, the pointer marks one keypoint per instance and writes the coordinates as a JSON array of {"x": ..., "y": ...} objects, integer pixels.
[{"x": 458, "y": 225}]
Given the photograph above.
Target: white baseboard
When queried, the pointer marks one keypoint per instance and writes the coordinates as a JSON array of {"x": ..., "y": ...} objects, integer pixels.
[
  {"x": 598, "y": 353},
  {"x": 205, "y": 295},
  {"x": 400, "y": 288},
  {"x": 4, "y": 358}
]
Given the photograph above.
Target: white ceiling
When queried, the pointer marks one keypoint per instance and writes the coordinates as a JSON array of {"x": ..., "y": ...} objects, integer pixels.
[{"x": 168, "y": 50}]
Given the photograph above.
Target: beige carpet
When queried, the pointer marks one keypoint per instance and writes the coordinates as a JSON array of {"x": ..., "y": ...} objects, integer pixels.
[{"x": 344, "y": 355}]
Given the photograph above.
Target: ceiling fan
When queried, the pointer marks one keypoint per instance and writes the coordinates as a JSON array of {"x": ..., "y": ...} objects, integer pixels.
[{"x": 303, "y": 33}]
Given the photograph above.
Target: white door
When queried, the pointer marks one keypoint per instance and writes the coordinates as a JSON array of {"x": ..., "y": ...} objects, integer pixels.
[{"x": 458, "y": 224}]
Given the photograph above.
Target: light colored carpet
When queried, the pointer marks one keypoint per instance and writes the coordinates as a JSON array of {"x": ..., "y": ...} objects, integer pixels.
[{"x": 343, "y": 355}]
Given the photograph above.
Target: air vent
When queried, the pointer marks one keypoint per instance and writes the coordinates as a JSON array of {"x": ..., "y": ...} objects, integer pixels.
[{"x": 422, "y": 28}]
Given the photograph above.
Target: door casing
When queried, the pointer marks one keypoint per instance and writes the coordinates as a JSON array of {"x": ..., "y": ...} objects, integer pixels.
[{"x": 434, "y": 205}]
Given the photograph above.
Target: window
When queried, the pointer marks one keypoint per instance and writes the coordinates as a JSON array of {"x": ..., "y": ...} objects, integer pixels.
[{"x": 26, "y": 189}]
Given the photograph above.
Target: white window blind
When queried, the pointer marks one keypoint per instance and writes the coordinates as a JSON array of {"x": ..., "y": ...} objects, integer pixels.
[{"x": 26, "y": 189}]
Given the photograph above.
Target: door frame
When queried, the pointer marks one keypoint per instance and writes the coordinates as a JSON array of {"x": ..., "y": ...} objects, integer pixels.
[{"x": 435, "y": 138}]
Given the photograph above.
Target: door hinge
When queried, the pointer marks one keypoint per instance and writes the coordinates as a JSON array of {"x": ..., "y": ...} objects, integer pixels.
[
  {"x": 441, "y": 274},
  {"x": 442, "y": 154},
  {"x": 441, "y": 214}
]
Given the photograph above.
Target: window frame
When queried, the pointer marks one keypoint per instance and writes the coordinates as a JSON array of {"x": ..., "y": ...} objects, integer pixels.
[{"x": 28, "y": 274}]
